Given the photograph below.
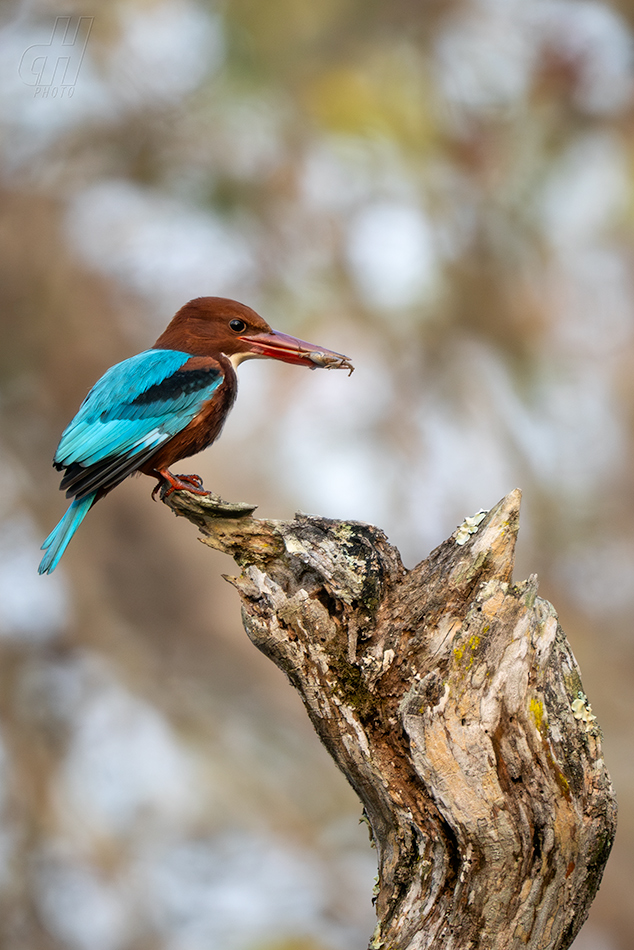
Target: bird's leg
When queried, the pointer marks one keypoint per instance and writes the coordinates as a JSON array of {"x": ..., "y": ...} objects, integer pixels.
[{"x": 191, "y": 483}]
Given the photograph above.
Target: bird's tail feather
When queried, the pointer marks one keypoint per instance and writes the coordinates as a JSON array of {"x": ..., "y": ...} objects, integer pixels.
[{"x": 58, "y": 539}]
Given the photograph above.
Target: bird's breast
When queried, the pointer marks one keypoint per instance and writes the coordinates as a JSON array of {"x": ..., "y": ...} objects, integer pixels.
[{"x": 204, "y": 429}]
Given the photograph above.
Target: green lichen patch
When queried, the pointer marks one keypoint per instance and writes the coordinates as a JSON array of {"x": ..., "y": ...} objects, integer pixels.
[{"x": 352, "y": 689}]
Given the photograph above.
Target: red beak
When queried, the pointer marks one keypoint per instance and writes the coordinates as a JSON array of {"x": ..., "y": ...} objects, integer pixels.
[{"x": 279, "y": 346}]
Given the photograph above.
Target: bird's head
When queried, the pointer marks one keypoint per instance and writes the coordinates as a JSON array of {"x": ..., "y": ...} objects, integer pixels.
[{"x": 209, "y": 326}]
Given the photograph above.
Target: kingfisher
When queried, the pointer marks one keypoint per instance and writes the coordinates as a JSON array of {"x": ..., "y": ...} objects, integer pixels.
[{"x": 165, "y": 404}]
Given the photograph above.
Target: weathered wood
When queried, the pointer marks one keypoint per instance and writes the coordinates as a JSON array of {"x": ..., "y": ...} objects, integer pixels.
[{"x": 452, "y": 702}]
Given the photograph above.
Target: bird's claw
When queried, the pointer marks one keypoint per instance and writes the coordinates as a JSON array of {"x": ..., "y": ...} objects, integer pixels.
[
  {"x": 194, "y": 480},
  {"x": 190, "y": 483}
]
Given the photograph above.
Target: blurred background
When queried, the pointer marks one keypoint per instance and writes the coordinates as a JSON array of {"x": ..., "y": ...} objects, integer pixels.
[{"x": 442, "y": 190}]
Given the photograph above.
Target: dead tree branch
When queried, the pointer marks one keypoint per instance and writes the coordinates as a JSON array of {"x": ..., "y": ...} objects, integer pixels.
[{"x": 451, "y": 701}]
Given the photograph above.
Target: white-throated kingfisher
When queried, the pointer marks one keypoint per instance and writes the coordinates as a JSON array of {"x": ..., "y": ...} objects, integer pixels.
[{"x": 165, "y": 404}]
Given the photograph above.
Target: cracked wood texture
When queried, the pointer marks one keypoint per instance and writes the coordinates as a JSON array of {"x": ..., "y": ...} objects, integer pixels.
[{"x": 452, "y": 702}]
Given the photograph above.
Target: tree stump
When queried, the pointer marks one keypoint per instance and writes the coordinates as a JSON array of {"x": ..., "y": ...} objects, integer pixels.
[{"x": 452, "y": 702}]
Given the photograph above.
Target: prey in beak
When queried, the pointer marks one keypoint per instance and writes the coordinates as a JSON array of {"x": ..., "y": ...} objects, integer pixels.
[{"x": 288, "y": 349}]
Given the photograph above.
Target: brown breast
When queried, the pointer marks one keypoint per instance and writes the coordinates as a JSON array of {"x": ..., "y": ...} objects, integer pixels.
[{"x": 203, "y": 429}]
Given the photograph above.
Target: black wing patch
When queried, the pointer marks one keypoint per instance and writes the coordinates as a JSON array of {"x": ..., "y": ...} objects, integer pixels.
[{"x": 181, "y": 383}]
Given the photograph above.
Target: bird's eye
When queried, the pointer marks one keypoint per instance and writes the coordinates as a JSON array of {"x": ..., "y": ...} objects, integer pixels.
[{"x": 237, "y": 325}]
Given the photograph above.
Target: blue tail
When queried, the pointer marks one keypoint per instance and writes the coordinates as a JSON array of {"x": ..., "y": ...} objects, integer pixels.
[{"x": 58, "y": 539}]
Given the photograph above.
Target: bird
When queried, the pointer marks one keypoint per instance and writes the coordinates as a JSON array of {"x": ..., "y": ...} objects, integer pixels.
[{"x": 165, "y": 404}]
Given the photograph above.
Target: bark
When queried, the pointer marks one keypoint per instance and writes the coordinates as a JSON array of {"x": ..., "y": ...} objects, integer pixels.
[{"x": 452, "y": 702}]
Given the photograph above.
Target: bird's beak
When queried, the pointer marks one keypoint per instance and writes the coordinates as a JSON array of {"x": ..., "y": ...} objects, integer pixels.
[{"x": 279, "y": 346}]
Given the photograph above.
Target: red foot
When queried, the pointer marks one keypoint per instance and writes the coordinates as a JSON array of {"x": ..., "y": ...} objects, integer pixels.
[{"x": 190, "y": 483}]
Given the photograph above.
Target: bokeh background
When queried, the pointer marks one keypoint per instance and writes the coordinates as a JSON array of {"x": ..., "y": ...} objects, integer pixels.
[{"x": 442, "y": 190}]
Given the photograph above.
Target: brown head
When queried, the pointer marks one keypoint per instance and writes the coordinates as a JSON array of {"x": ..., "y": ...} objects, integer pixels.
[{"x": 210, "y": 326}]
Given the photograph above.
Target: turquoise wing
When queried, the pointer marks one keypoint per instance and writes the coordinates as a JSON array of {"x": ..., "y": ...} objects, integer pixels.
[{"x": 135, "y": 407}]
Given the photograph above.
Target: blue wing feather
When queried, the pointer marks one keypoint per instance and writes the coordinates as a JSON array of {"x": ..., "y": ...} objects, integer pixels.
[
  {"x": 114, "y": 418},
  {"x": 125, "y": 381}
]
